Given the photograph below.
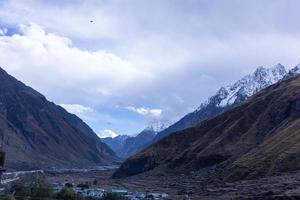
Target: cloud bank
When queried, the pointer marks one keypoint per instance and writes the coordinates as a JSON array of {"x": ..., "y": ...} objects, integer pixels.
[
  {"x": 163, "y": 58},
  {"x": 76, "y": 108}
]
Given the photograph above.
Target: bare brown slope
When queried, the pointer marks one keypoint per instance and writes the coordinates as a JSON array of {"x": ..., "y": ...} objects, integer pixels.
[
  {"x": 258, "y": 137},
  {"x": 40, "y": 134}
]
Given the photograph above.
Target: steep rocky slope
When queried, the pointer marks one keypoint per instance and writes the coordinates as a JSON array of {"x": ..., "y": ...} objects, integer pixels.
[
  {"x": 259, "y": 137},
  {"x": 40, "y": 134}
]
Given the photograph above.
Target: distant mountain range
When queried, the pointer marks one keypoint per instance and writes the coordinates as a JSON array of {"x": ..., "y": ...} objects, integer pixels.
[
  {"x": 224, "y": 99},
  {"x": 39, "y": 134},
  {"x": 125, "y": 146},
  {"x": 256, "y": 138},
  {"x": 228, "y": 96}
]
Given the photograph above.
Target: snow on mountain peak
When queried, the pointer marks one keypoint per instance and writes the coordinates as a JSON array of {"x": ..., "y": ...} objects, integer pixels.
[
  {"x": 294, "y": 71},
  {"x": 158, "y": 126},
  {"x": 107, "y": 133},
  {"x": 247, "y": 86}
]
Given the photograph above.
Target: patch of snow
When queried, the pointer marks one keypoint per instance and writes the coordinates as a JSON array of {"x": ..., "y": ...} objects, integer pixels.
[
  {"x": 107, "y": 133},
  {"x": 158, "y": 126},
  {"x": 296, "y": 70}
]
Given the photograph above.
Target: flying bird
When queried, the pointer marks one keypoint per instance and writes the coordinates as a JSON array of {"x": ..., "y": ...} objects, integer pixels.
[{"x": 91, "y": 21}]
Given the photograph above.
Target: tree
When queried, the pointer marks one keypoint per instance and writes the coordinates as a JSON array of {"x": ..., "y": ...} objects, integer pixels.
[
  {"x": 69, "y": 185},
  {"x": 113, "y": 196},
  {"x": 68, "y": 194},
  {"x": 95, "y": 182},
  {"x": 19, "y": 189},
  {"x": 36, "y": 189},
  {"x": 41, "y": 189}
]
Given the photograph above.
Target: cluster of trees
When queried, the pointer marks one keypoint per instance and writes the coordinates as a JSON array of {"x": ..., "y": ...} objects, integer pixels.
[{"x": 41, "y": 190}]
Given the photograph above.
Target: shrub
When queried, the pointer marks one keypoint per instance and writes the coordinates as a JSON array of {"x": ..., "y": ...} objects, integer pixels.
[
  {"x": 83, "y": 185},
  {"x": 69, "y": 185},
  {"x": 41, "y": 189},
  {"x": 68, "y": 194},
  {"x": 38, "y": 189},
  {"x": 19, "y": 189},
  {"x": 113, "y": 196}
]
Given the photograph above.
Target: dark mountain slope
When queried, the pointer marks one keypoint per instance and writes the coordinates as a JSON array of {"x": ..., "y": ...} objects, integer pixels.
[
  {"x": 259, "y": 137},
  {"x": 134, "y": 144},
  {"x": 40, "y": 134},
  {"x": 116, "y": 143}
]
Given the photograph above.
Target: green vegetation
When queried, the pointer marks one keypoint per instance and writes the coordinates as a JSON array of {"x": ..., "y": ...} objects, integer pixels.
[
  {"x": 68, "y": 194},
  {"x": 37, "y": 189},
  {"x": 41, "y": 190},
  {"x": 113, "y": 196}
]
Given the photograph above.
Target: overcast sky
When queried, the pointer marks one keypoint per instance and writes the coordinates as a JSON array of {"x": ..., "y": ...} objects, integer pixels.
[{"x": 122, "y": 64}]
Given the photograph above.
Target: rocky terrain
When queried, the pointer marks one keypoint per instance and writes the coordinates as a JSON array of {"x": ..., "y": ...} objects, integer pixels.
[
  {"x": 39, "y": 134},
  {"x": 255, "y": 139}
]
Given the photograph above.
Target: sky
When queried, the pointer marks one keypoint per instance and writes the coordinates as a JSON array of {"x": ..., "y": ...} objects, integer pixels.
[{"x": 121, "y": 65}]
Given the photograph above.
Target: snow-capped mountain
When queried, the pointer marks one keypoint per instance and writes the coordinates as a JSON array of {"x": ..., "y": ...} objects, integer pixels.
[
  {"x": 125, "y": 146},
  {"x": 116, "y": 143},
  {"x": 107, "y": 133},
  {"x": 246, "y": 87},
  {"x": 230, "y": 95},
  {"x": 158, "y": 126},
  {"x": 225, "y": 98}
]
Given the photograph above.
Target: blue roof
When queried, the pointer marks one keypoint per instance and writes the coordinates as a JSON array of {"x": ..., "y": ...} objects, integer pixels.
[{"x": 119, "y": 190}]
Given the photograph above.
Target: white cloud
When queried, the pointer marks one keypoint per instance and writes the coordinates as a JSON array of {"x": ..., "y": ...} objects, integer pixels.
[
  {"x": 47, "y": 60},
  {"x": 147, "y": 112},
  {"x": 77, "y": 108},
  {"x": 107, "y": 133}
]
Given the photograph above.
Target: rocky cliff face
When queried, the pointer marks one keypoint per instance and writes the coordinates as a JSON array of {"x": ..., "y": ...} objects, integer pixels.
[{"x": 39, "y": 134}]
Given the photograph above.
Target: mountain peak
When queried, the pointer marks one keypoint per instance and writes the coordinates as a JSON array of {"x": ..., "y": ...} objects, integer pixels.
[
  {"x": 228, "y": 96},
  {"x": 2, "y": 71},
  {"x": 157, "y": 126},
  {"x": 107, "y": 133},
  {"x": 293, "y": 72},
  {"x": 248, "y": 85},
  {"x": 278, "y": 66}
]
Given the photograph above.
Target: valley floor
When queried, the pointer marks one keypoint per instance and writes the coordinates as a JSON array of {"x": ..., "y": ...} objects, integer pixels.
[{"x": 192, "y": 186}]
